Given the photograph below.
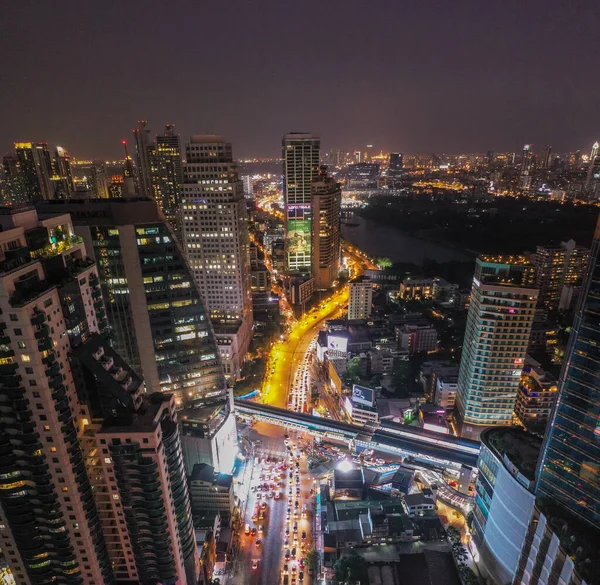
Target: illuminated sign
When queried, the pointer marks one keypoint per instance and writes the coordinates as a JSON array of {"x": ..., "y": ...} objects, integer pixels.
[
  {"x": 299, "y": 236},
  {"x": 363, "y": 395}
]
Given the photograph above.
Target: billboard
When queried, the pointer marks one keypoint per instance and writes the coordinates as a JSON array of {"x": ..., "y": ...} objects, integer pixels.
[
  {"x": 363, "y": 395},
  {"x": 299, "y": 236},
  {"x": 337, "y": 343}
]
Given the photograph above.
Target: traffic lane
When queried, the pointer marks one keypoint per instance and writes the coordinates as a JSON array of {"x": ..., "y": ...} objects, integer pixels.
[{"x": 272, "y": 547}]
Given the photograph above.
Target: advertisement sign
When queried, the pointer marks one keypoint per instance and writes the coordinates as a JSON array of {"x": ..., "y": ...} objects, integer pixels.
[
  {"x": 299, "y": 236},
  {"x": 362, "y": 395},
  {"x": 337, "y": 343}
]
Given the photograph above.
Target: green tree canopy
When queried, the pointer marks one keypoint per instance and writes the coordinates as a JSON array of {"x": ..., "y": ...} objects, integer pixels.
[{"x": 351, "y": 568}]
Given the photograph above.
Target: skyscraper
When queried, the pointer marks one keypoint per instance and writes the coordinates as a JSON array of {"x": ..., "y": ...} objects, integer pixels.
[
  {"x": 36, "y": 167},
  {"x": 300, "y": 167},
  {"x": 156, "y": 315},
  {"x": 568, "y": 472},
  {"x": 593, "y": 176},
  {"x": 395, "y": 169},
  {"x": 526, "y": 167},
  {"x": 92, "y": 177},
  {"x": 142, "y": 159},
  {"x": 594, "y": 151},
  {"x": 216, "y": 244},
  {"x": 547, "y": 155},
  {"x": 50, "y": 301},
  {"x": 503, "y": 300},
  {"x": 166, "y": 172},
  {"x": 62, "y": 175},
  {"x": 326, "y": 232}
]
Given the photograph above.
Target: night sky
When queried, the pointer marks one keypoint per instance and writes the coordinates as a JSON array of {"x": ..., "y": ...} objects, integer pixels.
[{"x": 414, "y": 76}]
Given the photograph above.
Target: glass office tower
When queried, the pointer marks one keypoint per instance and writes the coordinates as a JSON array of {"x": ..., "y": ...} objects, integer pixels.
[{"x": 569, "y": 472}]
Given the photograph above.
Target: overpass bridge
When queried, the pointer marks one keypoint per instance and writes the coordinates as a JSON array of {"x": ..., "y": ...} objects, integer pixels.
[{"x": 418, "y": 444}]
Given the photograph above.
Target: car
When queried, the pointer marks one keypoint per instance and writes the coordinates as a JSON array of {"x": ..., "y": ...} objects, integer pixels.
[
  {"x": 301, "y": 576},
  {"x": 258, "y": 496},
  {"x": 296, "y": 505},
  {"x": 295, "y": 525},
  {"x": 253, "y": 531},
  {"x": 258, "y": 542},
  {"x": 297, "y": 479},
  {"x": 277, "y": 496},
  {"x": 263, "y": 505},
  {"x": 260, "y": 528},
  {"x": 254, "y": 564},
  {"x": 247, "y": 530},
  {"x": 287, "y": 530},
  {"x": 294, "y": 553},
  {"x": 286, "y": 542},
  {"x": 289, "y": 509},
  {"x": 304, "y": 535},
  {"x": 285, "y": 569},
  {"x": 287, "y": 554},
  {"x": 294, "y": 568}
]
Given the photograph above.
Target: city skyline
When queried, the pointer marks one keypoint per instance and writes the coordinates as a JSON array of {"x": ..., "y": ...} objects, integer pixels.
[{"x": 409, "y": 78}]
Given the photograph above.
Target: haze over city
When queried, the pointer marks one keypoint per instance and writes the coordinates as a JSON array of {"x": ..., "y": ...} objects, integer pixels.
[{"x": 414, "y": 77}]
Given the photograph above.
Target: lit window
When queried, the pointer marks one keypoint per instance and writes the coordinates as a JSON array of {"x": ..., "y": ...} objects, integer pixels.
[
  {"x": 25, "y": 357},
  {"x": 107, "y": 460}
]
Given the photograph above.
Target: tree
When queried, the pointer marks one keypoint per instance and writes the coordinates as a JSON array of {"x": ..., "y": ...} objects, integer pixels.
[
  {"x": 384, "y": 262},
  {"x": 351, "y": 373},
  {"x": 312, "y": 559},
  {"x": 351, "y": 568}
]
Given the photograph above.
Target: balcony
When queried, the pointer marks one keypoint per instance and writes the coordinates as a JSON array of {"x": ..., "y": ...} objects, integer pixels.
[
  {"x": 42, "y": 332},
  {"x": 53, "y": 370},
  {"x": 45, "y": 345},
  {"x": 38, "y": 318},
  {"x": 49, "y": 359}
]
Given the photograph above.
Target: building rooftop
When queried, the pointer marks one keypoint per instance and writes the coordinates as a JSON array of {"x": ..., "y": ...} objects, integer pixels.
[
  {"x": 521, "y": 448},
  {"x": 207, "y": 474}
]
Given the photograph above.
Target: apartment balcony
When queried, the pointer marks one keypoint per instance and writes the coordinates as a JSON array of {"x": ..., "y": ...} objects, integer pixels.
[
  {"x": 42, "y": 333},
  {"x": 45, "y": 345},
  {"x": 38, "y": 318}
]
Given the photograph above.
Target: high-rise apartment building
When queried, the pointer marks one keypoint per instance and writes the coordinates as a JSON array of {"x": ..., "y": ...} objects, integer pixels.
[
  {"x": 568, "y": 472},
  {"x": 36, "y": 167},
  {"x": 142, "y": 159},
  {"x": 215, "y": 240},
  {"x": 300, "y": 167},
  {"x": 156, "y": 315},
  {"x": 132, "y": 440},
  {"x": 557, "y": 267},
  {"x": 166, "y": 171},
  {"x": 50, "y": 301},
  {"x": 14, "y": 190},
  {"x": 594, "y": 151},
  {"x": 501, "y": 311},
  {"x": 326, "y": 230},
  {"x": 360, "y": 299}
]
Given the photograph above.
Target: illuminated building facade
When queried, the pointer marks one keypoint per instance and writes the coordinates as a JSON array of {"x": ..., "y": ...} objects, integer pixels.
[
  {"x": 166, "y": 172},
  {"x": 51, "y": 302},
  {"x": 14, "y": 190},
  {"x": 214, "y": 227},
  {"x": 568, "y": 472},
  {"x": 36, "y": 167},
  {"x": 556, "y": 268},
  {"x": 501, "y": 311},
  {"x": 360, "y": 302},
  {"x": 326, "y": 230},
  {"x": 62, "y": 177},
  {"x": 156, "y": 315},
  {"x": 300, "y": 168},
  {"x": 526, "y": 167}
]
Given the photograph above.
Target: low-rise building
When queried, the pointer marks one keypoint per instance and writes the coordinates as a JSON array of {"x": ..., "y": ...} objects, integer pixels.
[
  {"x": 417, "y": 338},
  {"x": 348, "y": 484},
  {"x": 361, "y": 406},
  {"x": 419, "y": 504},
  {"x": 446, "y": 387},
  {"x": 536, "y": 396},
  {"x": 416, "y": 288}
]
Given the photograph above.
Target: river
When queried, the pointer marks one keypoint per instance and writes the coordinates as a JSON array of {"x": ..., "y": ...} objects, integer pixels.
[{"x": 383, "y": 240}]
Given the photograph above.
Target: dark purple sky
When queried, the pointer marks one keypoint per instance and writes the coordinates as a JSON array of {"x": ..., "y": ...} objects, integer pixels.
[{"x": 414, "y": 76}]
